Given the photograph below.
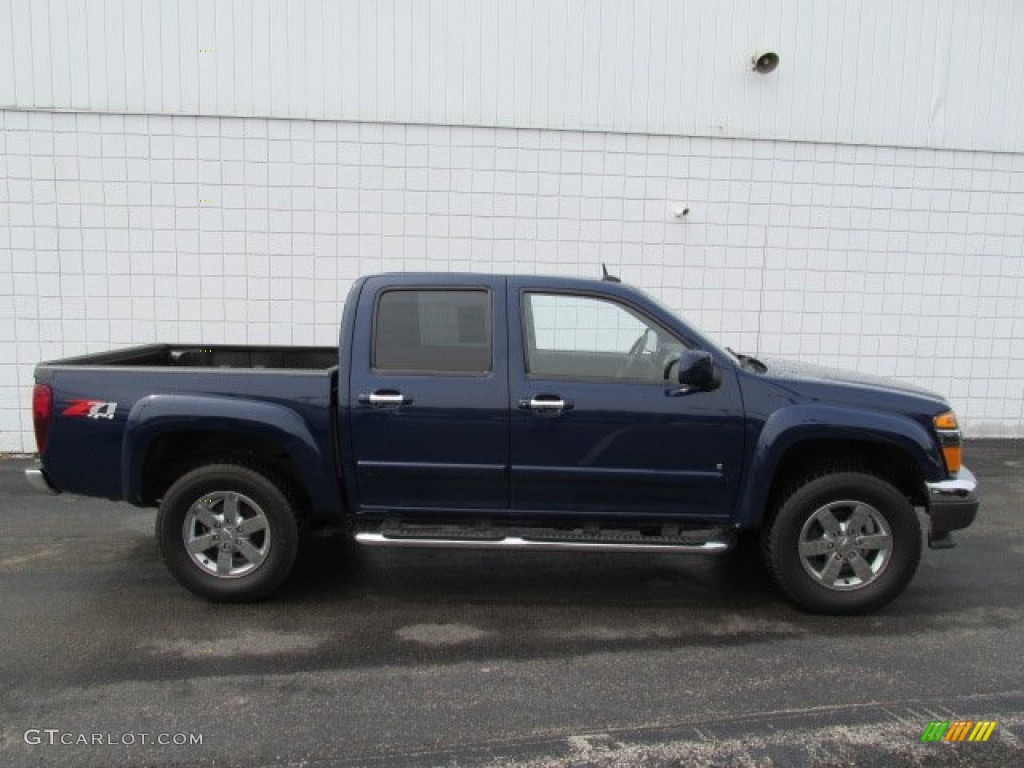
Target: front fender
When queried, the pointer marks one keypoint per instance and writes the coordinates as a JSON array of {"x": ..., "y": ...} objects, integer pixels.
[
  {"x": 787, "y": 427},
  {"x": 158, "y": 415}
]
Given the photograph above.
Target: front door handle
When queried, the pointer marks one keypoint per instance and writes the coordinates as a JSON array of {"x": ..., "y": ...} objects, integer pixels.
[
  {"x": 546, "y": 403},
  {"x": 385, "y": 398}
]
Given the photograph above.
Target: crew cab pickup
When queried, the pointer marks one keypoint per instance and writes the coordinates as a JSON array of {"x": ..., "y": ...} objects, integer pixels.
[{"x": 509, "y": 412}]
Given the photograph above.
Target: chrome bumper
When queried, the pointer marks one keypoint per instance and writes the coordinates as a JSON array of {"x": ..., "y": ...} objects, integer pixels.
[
  {"x": 37, "y": 479},
  {"x": 963, "y": 486},
  {"x": 953, "y": 503}
]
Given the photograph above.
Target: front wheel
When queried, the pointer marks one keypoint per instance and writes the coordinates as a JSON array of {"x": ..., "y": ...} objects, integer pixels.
[
  {"x": 843, "y": 543},
  {"x": 227, "y": 533}
]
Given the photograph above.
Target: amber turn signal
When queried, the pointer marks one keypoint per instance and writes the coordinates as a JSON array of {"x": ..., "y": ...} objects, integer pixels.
[
  {"x": 952, "y": 455},
  {"x": 949, "y": 439}
]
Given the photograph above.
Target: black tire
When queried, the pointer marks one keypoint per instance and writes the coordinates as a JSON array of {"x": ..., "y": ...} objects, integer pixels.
[
  {"x": 839, "y": 571},
  {"x": 248, "y": 558}
]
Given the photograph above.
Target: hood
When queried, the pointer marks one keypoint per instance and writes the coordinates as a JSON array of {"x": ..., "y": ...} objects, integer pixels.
[{"x": 807, "y": 375}]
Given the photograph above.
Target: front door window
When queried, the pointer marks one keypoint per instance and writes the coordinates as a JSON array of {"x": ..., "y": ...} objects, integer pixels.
[{"x": 588, "y": 338}]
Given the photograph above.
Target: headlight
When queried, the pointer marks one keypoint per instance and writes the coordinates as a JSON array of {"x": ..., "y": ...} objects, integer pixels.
[{"x": 948, "y": 432}]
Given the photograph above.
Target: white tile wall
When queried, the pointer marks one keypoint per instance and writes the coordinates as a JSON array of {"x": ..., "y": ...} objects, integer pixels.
[
  {"x": 128, "y": 229},
  {"x": 909, "y": 73}
]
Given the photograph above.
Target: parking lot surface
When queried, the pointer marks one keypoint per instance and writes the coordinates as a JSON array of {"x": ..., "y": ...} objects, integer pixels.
[{"x": 456, "y": 658}]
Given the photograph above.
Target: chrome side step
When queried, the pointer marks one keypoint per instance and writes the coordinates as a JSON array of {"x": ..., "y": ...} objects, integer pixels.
[{"x": 371, "y": 539}]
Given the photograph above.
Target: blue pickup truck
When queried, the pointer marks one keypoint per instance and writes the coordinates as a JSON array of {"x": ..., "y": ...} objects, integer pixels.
[{"x": 509, "y": 412}]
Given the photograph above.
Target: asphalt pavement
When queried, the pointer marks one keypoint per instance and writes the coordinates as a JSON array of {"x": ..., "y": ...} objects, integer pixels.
[{"x": 424, "y": 658}]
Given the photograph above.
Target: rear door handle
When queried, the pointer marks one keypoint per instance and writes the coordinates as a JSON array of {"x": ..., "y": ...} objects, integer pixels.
[
  {"x": 385, "y": 398},
  {"x": 550, "y": 403}
]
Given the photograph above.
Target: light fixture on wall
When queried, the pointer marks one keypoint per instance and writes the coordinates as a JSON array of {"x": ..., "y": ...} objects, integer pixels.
[{"x": 764, "y": 61}]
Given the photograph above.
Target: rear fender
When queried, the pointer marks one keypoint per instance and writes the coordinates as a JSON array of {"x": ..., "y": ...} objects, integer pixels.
[{"x": 158, "y": 415}]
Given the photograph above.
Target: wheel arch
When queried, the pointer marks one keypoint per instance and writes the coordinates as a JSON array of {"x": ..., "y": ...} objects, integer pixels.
[
  {"x": 801, "y": 439},
  {"x": 168, "y": 435}
]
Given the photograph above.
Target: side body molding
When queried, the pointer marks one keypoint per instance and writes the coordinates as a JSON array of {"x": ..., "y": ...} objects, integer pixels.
[
  {"x": 157, "y": 415},
  {"x": 795, "y": 424}
]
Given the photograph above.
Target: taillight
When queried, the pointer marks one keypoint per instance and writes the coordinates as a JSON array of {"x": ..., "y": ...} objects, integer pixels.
[
  {"x": 948, "y": 430},
  {"x": 42, "y": 408}
]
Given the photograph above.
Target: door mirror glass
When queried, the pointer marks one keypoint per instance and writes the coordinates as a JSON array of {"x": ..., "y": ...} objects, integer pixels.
[{"x": 697, "y": 370}]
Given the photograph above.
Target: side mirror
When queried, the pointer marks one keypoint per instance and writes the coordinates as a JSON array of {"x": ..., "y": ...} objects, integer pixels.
[{"x": 697, "y": 371}]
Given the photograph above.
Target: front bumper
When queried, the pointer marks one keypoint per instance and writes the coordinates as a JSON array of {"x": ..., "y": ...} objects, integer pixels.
[
  {"x": 953, "y": 503},
  {"x": 37, "y": 478}
]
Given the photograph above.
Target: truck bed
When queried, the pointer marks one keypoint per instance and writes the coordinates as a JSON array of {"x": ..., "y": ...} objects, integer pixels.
[
  {"x": 88, "y": 451},
  {"x": 219, "y": 356}
]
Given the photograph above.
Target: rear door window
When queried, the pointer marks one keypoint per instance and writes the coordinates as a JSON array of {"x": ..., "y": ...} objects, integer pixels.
[{"x": 433, "y": 331}]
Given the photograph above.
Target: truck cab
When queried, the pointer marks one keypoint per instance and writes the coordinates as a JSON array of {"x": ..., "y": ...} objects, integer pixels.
[{"x": 551, "y": 401}]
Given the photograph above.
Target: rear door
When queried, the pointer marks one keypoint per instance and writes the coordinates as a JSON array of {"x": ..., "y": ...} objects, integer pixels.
[
  {"x": 597, "y": 424},
  {"x": 429, "y": 395}
]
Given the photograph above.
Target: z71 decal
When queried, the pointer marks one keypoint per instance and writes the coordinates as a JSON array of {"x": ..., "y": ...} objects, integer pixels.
[{"x": 90, "y": 409}]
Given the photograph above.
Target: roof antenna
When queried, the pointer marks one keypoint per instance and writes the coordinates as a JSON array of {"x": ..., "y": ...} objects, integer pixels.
[{"x": 609, "y": 278}]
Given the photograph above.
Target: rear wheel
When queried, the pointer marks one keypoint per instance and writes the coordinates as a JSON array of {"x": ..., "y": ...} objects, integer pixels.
[
  {"x": 227, "y": 533},
  {"x": 843, "y": 542}
]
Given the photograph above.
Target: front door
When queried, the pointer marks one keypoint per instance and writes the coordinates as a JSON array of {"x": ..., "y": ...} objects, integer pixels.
[
  {"x": 429, "y": 396},
  {"x": 597, "y": 424}
]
